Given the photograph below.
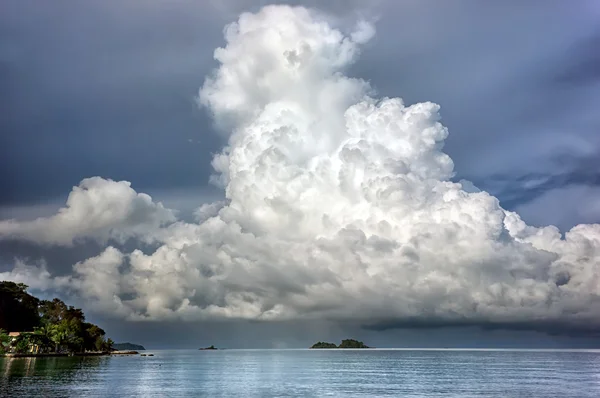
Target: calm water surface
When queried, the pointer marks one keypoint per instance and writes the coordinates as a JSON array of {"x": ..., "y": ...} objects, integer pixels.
[{"x": 283, "y": 373}]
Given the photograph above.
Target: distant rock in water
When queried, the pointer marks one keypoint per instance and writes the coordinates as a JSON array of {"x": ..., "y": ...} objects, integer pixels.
[
  {"x": 212, "y": 347},
  {"x": 127, "y": 347},
  {"x": 348, "y": 343}
]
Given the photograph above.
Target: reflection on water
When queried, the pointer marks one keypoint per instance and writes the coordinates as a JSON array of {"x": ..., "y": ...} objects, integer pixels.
[
  {"x": 44, "y": 376},
  {"x": 268, "y": 373}
]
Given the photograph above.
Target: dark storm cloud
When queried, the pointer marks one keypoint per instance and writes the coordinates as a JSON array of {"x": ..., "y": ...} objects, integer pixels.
[
  {"x": 59, "y": 259},
  {"x": 244, "y": 334},
  {"x": 583, "y": 63},
  {"x": 544, "y": 327},
  {"x": 564, "y": 195},
  {"x": 520, "y": 189},
  {"x": 103, "y": 88}
]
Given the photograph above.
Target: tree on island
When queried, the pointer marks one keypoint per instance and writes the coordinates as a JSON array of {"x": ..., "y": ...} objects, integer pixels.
[
  {"x": 347, "y": 343},
  {"x": 322, "y": 344}
]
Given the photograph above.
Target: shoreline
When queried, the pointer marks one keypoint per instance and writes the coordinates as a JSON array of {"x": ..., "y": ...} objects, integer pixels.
[{"x": 73, "y": 354}]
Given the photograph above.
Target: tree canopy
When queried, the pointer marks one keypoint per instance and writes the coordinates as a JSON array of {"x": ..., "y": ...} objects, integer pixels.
[
  {"x": 50, "y": 325},
  {"x": 350, "y": 343},
  {"x": 322, "y": 344},
  {"x": 18, "y": 309}
]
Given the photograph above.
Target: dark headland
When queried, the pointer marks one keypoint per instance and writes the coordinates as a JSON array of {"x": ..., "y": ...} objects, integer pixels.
[
  {"x": 31, "y": 327},
  {"x": 348, "y": 343},
  {"x": 212, "y": 347},
  {"x": 128, "y": 347}
]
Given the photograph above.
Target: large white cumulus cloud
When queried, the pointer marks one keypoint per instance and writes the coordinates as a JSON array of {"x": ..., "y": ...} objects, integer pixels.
[{"x": 338, "y": 205}]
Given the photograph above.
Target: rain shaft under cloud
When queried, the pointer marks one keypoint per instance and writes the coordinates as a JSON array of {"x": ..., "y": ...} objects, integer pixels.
[{"x": 338, "y": 206}]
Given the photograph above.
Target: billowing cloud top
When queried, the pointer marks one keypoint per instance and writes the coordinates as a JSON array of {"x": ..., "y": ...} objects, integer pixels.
[
  {"x": 339, "y": 206},
  {"x": 98, "y": 208}
]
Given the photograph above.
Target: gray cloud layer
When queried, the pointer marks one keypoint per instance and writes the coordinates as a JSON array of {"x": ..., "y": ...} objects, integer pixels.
[{"x": 338, "y": 206}]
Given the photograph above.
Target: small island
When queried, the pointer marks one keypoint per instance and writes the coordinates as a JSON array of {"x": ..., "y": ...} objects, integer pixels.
[
  {"x": 212, "y": 347},
  {"x": 347, "y": 343}
]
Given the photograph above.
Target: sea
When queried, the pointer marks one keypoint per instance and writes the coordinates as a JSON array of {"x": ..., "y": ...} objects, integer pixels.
[{"x": 309, "y": 373}]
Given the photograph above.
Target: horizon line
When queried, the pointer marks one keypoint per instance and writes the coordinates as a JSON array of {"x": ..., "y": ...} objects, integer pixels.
[{"x": 389, "y": 349}]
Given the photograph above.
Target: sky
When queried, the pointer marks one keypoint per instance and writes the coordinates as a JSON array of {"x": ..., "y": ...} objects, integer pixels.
[{"x": 414, "y": 173}]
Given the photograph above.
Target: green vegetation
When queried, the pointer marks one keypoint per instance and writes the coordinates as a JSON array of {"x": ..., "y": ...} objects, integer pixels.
[
  {"x": 322, "y": 344},
  {"x": 44, "y": 326},
  {"x": 4, "y": 341},
  {"x": 128, "y": 347},
  {"x": 18, "y": 310},
  {"x": 348, "y": 343}
]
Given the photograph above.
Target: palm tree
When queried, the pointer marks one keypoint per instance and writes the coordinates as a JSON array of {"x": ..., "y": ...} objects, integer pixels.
[
  {"x": 3, "y": 340},
  {"x": 58, "y": 336},
  {"x": 44, "y": 336}
]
